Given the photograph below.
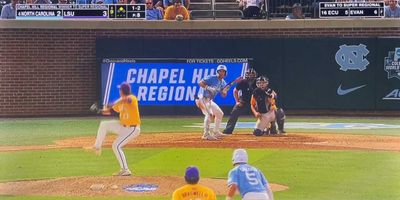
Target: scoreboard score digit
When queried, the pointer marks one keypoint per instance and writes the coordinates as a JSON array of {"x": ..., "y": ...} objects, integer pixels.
[
  {"x": 351, "y": 9},
  {"x": 79, "y": 11}
]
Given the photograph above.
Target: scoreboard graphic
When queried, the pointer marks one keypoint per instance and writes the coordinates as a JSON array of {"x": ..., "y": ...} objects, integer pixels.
[
  {"x": 351, "y": 9},
  {"x": 74, "y": 11}
]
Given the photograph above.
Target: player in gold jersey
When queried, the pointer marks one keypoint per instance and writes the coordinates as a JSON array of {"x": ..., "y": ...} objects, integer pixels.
[
  {"x": 193, "y": 190},
  {"x": 127, "y": 127}
]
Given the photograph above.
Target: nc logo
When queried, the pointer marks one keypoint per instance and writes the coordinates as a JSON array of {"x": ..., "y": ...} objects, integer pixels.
[{"x": 352, "y": 57}]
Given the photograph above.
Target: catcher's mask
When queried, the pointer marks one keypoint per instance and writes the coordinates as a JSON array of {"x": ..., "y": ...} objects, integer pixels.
[
  {"x": 222, "y": 67},
  {"x": 239, "y": 156},
  {"x": 250, "y": 73},
  {"x": 262, "y": 82}
]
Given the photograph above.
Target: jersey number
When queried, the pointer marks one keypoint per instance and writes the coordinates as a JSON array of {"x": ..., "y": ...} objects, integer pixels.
[
  {"x": 125, "y": 114},
  {"x": 252, "y": 177}
]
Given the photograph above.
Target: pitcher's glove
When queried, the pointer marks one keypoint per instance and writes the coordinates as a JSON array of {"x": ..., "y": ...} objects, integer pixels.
[{"x": 95, "y": 108}]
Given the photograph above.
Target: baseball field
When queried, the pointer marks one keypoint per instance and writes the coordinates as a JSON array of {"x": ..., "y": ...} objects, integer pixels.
[{"x": 324, "y": 158}]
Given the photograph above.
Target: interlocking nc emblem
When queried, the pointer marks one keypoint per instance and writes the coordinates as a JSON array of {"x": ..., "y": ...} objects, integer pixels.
[{"x": 352, "y": 57}]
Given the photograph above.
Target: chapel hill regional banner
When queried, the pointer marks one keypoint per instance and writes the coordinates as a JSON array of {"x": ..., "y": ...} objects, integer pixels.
[{"x": 166, "y": 83}]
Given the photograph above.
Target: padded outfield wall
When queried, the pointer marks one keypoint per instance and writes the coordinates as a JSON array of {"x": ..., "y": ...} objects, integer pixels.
[{"x": 52, "y": 67}]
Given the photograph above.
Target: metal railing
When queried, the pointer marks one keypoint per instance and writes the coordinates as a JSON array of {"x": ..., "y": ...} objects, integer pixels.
[{"x": 216, "y": 10}]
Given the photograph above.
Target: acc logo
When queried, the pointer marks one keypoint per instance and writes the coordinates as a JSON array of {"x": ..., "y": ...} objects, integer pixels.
[
  {"x": 352, "y": 57},
  {"x": 392, "y": 64},
  {"x": 393, "y": 95},
  {"x": 140, "y": 188}
]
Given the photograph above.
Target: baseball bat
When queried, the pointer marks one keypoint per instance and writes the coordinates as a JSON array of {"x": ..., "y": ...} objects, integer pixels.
[{"x": 230, "y": 84}]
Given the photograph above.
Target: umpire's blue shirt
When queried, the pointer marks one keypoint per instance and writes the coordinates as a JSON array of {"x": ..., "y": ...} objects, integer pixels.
[{"x": 248, "y": 179}]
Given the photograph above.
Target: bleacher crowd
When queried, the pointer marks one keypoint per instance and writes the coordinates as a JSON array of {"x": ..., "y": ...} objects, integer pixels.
[{"x": 180, "y": 9}]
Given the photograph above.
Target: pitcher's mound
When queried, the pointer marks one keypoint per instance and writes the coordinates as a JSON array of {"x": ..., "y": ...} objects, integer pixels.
[{"x": 108, "y": 186}]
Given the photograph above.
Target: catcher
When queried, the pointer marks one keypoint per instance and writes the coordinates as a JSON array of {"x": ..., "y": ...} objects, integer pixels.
[
  {"x": 127, "y": 127},
  {"x": 264, "y": 108}
]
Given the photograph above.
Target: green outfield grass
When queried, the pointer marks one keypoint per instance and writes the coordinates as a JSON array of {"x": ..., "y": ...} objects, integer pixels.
[
  {"x": 310, "y": 174},
  {"x": 44, "y": 131}
]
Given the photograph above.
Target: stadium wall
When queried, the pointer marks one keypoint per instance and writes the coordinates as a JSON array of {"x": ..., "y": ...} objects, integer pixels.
[{"x": 49, "y": 68}]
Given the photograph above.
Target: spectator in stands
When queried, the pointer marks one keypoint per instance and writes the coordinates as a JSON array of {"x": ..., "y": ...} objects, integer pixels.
[
  {"x": 29, "y": 1},
  {"x": 137, "y": 2},
  {"x": 393, "y": 10},
  {"x": 152, "y": 13},
  {"x": 104, "y": 1},
  {"x": 123, "y": 2},
  {"x": 63, "y": 2},
  {"x": 176, "y": 12},
  {"x": 83, "y": 1},
  {"x": 251, "y": 8},
  {"x": 167, "y": 3},
  {"x": 42, "y": 2},
  {"x": 297, "y": 12},
  {"x": 8, "y": 10}
]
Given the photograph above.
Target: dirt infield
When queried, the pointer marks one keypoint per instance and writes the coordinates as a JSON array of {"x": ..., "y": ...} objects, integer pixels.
[
  {"x": 80, "y": 186},
  {"x": 192, "y": 140}
]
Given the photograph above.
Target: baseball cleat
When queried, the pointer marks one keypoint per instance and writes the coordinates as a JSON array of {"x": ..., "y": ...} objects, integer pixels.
[
  {"x": 208, "y": 137},
  {"x": 93, "y": 149},
  {"x": 218, "y": 135},
  {"x": 123, "y": 172}
]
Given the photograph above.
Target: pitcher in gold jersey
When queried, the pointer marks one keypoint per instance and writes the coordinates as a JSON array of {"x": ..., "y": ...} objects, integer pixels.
[{"x": 127, "y": 127}]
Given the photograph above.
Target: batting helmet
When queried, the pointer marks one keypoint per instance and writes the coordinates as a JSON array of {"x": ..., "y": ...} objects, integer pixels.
[
  {"x": 239, "y": 156},
  {"x": 222, "y": 67}
]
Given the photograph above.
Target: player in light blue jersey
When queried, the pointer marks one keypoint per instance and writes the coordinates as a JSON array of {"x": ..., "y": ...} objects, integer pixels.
[
  {"x": 250, "y": 181},
  {"x": 210, "y": 86}
]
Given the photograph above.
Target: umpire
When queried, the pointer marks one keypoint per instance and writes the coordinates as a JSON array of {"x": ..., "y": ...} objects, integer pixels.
[{"x": 242, "y": 94}]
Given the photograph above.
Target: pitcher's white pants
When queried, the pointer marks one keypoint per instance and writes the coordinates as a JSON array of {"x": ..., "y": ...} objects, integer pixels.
[
  {"x": 209, "y": 108},
  {"x": 125, "y": 134}
]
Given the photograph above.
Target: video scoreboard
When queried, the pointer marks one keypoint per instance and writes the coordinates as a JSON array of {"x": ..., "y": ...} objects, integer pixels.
[
  {"x": 351, "y": 9},
  {"x": 80, "y": 11}
]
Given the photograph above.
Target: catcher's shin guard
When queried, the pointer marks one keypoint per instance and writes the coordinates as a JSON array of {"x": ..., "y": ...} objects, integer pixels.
[
  {"x": 281, "y": 124},
  {"x": 280, "y": 120},
  {"x": 280, "y": 114}
]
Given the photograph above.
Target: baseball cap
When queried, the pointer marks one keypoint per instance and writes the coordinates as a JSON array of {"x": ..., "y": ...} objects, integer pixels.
[
  {"x": 192, "y": 173},
  {"x": 125, "y": 88}
]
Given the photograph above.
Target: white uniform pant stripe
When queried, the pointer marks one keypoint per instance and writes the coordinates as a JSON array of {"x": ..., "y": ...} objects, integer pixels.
[
  {"x": 125, "y": 134},
  {"x": 120, "y": 142}
]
